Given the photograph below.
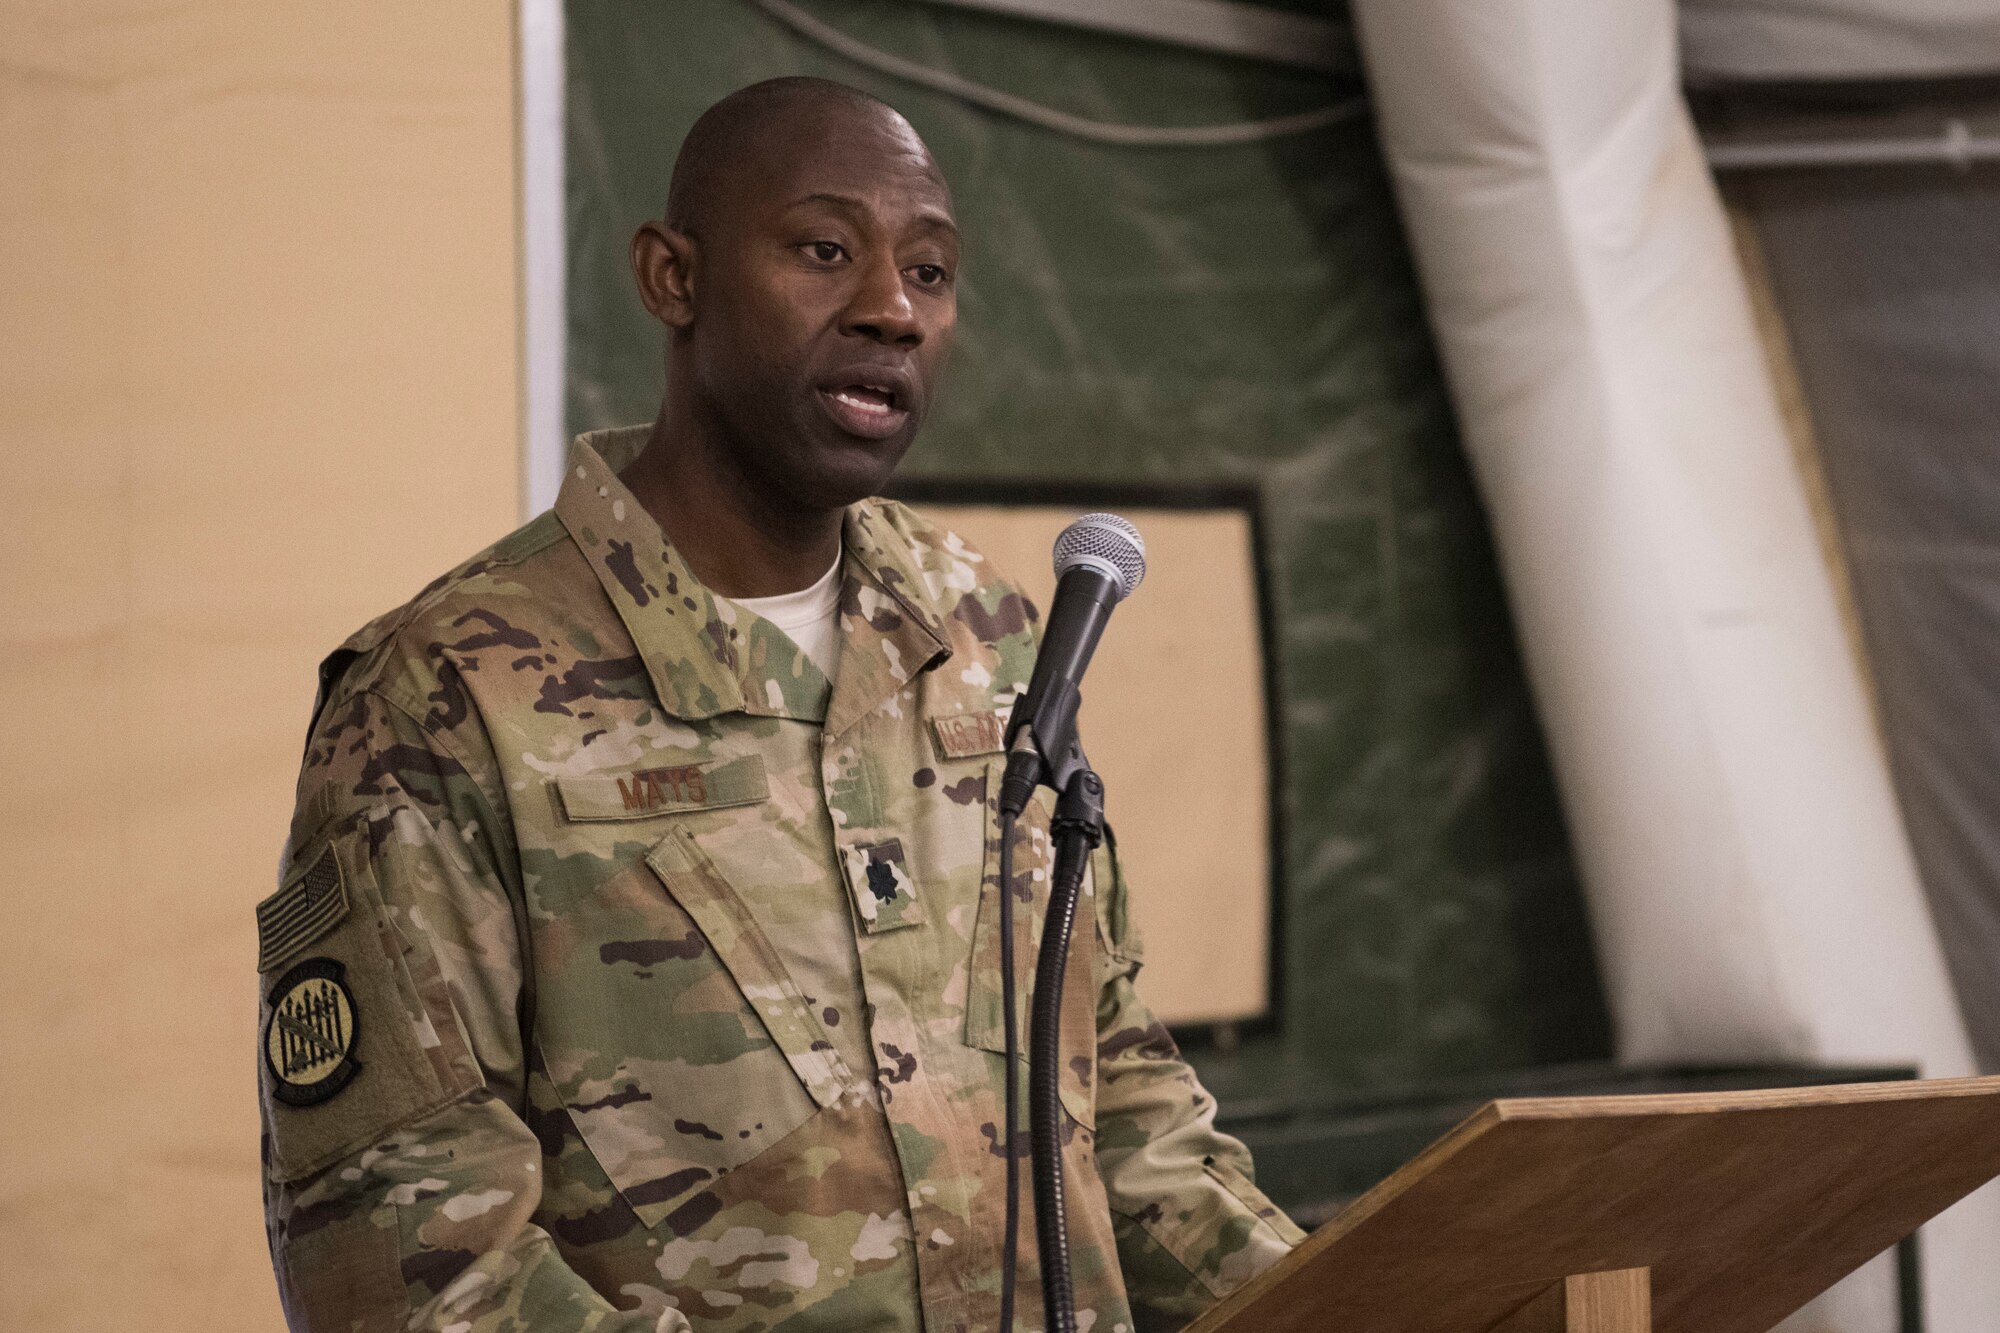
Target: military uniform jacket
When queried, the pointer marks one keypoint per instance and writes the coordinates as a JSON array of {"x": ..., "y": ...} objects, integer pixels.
[{"x": 627, "y": 975}]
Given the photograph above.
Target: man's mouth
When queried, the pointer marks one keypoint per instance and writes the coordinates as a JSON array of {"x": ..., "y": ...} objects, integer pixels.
[{"x": 872, "y": 411}]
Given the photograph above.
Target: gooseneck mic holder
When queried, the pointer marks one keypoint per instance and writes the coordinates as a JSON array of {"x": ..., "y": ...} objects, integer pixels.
[
  {"x": 1099, "y": 560},
  {"x": 1079, "y": 827}
]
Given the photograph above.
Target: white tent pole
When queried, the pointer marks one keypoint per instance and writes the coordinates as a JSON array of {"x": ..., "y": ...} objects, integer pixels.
[{"x": 543, "y": 258}]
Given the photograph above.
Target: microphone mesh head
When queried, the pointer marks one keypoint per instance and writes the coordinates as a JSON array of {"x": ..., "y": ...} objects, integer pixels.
[{"x": 1105, "y": 542}]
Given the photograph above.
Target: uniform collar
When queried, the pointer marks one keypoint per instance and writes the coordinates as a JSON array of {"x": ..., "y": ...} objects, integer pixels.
[
  {"x": 706, "y": 655},
  {"x": 890, "y": 625}
]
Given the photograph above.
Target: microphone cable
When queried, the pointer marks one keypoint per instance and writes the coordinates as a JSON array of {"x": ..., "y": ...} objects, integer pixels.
[{"x": 1011, "y": 1243}]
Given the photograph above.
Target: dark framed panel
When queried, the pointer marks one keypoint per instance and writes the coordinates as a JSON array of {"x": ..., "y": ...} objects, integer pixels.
[{"x": 1193, "y": 497}]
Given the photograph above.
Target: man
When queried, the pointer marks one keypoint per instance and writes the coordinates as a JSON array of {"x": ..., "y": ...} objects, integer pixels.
[{"x": 635, "y": 965}]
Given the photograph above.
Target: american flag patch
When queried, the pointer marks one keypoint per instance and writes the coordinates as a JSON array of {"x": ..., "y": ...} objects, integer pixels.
[{"x": 301, "y": 912}]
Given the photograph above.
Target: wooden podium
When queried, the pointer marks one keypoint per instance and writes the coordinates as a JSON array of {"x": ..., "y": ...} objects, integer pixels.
[{"x": 1683, "y": 1213}]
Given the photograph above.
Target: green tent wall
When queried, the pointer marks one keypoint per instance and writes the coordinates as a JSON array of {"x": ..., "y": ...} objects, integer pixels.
[{"x": 1241, "y": 316}]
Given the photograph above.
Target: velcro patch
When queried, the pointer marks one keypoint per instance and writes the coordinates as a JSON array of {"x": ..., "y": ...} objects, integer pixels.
[
  {"x": 645, "y": 792},
  {"x": 309, "y": 1033},
  {"x": 306, "y": 908},
  {"x": 963, "y": 735},
  {"x": 883, "y": 889}
]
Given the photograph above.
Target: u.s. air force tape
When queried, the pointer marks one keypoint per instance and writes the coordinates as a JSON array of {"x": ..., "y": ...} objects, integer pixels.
[{"x": 309, "y": 1033}]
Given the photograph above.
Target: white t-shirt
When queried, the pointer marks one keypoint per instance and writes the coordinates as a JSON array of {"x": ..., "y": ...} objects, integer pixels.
[{"x": 810, "y": 616}]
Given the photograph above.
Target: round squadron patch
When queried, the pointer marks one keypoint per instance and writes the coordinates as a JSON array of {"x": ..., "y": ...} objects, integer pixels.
[{"x": 309, "y": 1033}]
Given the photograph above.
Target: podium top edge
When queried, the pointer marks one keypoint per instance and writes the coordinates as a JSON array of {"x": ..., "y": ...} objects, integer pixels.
[
  {"x": 1756, "y": 1099},
  {"x": 1571, "y": 1183}
]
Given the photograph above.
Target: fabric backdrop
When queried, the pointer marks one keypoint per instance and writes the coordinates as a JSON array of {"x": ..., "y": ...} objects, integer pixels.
[
  {"x": 1839, "y": 39},
  {"x": 1898, "y": 346}
]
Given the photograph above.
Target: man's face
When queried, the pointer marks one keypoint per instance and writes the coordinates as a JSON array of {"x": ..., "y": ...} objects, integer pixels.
[{"x": 824, "y": 299}]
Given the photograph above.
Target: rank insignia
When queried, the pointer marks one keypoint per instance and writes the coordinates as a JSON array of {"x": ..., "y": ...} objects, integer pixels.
[
  {"x": 883, "y": 889},
  {"x": 309, "y": 1033}
]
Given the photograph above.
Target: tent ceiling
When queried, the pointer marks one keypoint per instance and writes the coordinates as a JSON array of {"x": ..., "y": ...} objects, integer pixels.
[
  {"x": 1733, "y": 40},
  {"x": 1721, "y": 40},
  {"x": 1226, "y": 26}
]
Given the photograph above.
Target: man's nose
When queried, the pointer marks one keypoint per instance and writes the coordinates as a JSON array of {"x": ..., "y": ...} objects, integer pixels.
[{"x": 881, "y": 309}]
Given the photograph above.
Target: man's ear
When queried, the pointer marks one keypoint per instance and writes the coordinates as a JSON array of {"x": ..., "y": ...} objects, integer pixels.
[{"x": 663, "y": 264}]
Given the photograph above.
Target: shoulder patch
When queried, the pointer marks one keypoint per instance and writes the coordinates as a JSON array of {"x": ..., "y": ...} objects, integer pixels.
[
  {"x": 306, "y": 908},
  {"x": 963, "y": 735},
  {"x": 309, "y": 1033}
]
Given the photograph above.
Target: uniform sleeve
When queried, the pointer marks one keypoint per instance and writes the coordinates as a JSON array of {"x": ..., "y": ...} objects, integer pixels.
[
  {"x": 1191, "y": 1224},
  {"x": 401, "y": 1177}
]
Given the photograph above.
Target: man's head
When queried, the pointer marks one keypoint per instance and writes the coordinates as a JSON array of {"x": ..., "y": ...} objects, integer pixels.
[{"x": 806, "y": 271}]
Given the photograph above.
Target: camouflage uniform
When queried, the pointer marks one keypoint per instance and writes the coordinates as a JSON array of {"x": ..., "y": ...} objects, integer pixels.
[{"x": 627, "y": 975}]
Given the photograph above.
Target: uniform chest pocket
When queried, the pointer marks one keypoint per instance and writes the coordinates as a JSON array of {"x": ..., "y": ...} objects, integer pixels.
[
  {"x": 1033, "y": 863},
  {"x": 672, "y": 1031}
]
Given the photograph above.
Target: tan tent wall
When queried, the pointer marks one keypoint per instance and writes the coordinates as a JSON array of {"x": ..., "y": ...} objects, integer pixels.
[{"x": 257, "y": 382}]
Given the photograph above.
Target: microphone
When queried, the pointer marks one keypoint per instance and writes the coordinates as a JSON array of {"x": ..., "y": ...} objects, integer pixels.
[{"x": 1099, "y": 559}]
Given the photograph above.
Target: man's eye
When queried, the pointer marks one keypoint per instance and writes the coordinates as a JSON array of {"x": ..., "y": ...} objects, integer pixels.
[
  {"x": 826, "y": 252},
  {"x": 929, "y": 275}
]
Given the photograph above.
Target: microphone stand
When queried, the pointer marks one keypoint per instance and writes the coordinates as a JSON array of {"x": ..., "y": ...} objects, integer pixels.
[
  {"x": 1078, "y": 828},
  {"x": 1099, "y": 560}
]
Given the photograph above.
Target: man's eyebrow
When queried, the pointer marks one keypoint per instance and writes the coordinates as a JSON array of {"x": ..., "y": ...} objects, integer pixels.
[{"x": 930, "y": 218}]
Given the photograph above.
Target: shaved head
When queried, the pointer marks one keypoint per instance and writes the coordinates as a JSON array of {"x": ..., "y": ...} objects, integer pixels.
[
  {"x": 806, "y": 276},
  {"x": 731, "y": 134}
]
